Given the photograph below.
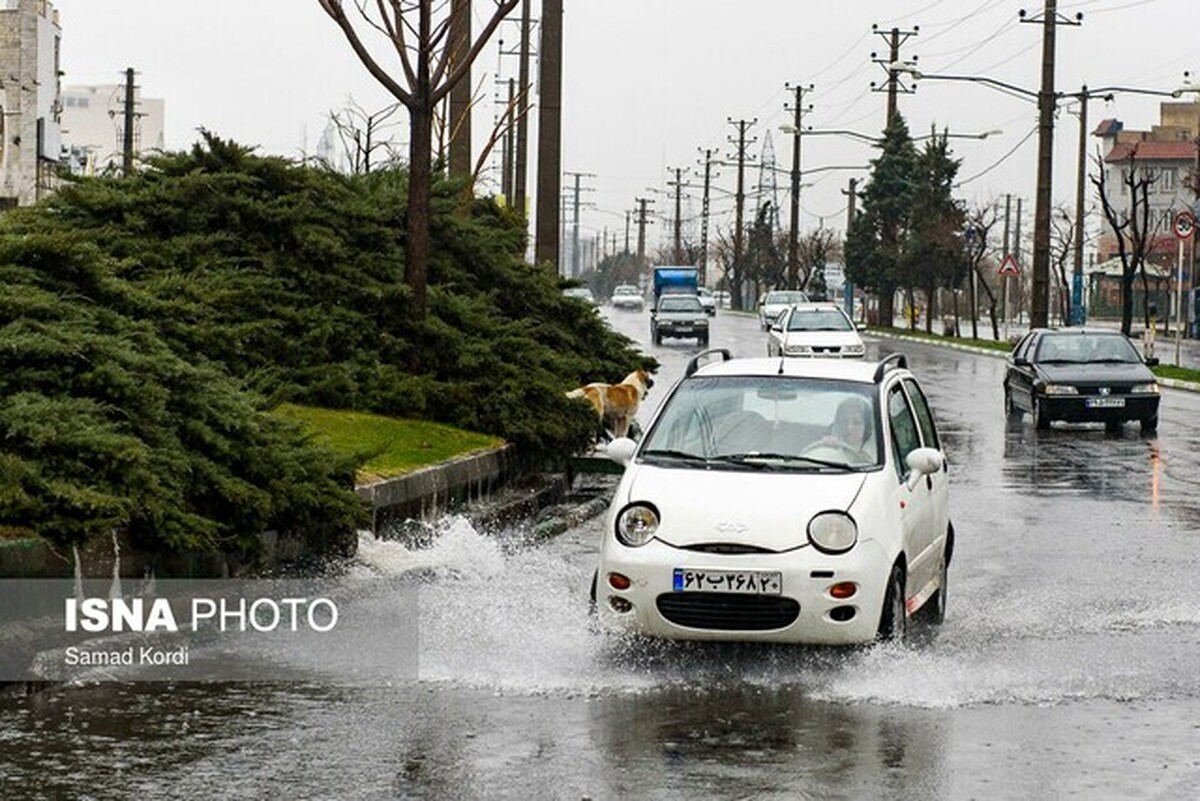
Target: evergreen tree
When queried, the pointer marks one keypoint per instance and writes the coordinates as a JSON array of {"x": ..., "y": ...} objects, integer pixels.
[
  {"x": 876, "y": 239},
  {"x": 934, "y": 256}
]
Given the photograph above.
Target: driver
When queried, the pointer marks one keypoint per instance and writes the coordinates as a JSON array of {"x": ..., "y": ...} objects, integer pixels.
[{"x": 851, "y": 428}]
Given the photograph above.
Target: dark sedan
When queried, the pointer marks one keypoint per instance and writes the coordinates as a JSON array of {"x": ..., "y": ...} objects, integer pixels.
[{"x": 1080, "y": 375}]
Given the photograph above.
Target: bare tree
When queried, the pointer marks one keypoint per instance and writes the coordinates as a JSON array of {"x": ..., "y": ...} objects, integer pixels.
[
  {"x": 813, "y": 252},
  {"x": 980, "y": 222},
  {"x": 1134, "y": 229},
  {"x": 360, "y": 134},
  {"x": 1062, "y": 245},
  {"x": 420, "y": 35}
]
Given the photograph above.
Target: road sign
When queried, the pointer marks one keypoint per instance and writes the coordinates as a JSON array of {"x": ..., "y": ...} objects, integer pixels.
[
  {"x": 1009, "y": 266},
  {"x": 1184, "y": 224}
]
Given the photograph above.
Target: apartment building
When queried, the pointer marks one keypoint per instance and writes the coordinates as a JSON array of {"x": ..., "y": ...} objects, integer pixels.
[{"x": 30, "y": 137}]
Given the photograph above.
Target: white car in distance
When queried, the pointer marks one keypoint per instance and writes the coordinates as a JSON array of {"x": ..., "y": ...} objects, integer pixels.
[
  {"x": 774, "y": 302},
  {"x": 627, "y": 296},
  {"x": 795, "y": 501},
  {"x": 815, "y": 330}
]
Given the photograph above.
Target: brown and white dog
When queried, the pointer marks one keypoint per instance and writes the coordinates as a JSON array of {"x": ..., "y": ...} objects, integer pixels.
[{"x": 616, "y": 404}]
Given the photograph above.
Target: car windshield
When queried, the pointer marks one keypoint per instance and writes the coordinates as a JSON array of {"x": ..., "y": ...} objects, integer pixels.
[
  {"x": 818, "y": 320},
  {"x": 625, "y": 290},
  {"x": 767, "y": 422},
  {"x": 579, "y": 292},
  {"x": 779, "y": 298},
  {"x": 1086, "y": 349},
  {"x": 679, "y": 303}
]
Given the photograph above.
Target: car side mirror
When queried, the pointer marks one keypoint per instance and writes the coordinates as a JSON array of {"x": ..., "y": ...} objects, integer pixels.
[
  {"x": 1020, "y": 361},
  {"x": 922, "y": 462},
  {"x": 1152, "y": 361},
  {"x": 621, "y": 450}
]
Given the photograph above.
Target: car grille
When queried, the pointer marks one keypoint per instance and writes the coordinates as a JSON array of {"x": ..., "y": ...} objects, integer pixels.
[
  {"x": 725, "y": 611},
  {"x": 830, "y": 349},
  {"x": 726, "y": 547}
]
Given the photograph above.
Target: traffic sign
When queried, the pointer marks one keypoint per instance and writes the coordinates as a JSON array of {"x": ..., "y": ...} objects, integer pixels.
[
  {"x": 1009, "y": 266},
  {"x": 1184, "y": 224}
]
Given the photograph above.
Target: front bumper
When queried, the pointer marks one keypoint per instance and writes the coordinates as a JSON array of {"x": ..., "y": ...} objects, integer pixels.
[
  {"x": 1077, "y": 409},
  {"x": 803, "y": 612}
]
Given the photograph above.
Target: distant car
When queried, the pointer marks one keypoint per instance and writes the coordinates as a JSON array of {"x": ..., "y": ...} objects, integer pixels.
[
  {"x": 804, "y": 502},
  {"x": 627, "y": 296},
  {"x": 723, "y": 298},
  {"x": 680, "y": 317},
  {"x": 707, "y": 300},
  {"x": 1081, "y": 375},
  {"x": 580, "y": 293},
  {"x": 815, "y": 329},
  {"x": 775, "y": 302}
]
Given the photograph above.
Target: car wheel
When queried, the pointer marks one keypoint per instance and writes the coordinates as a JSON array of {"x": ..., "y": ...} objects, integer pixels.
[
  {"x": 893, "y": 622},
  {"x": 1040, "y": 420},
  {"x": 1150, "y": 424}
]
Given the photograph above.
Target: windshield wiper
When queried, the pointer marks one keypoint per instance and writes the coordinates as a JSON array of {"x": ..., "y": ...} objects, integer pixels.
[
  {"x": 750, "y": 458},
  {"x": 672, "y": 454}
]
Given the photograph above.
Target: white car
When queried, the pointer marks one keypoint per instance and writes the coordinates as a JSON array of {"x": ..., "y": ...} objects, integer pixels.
[
  {"x": 775, "y": 302},
  {"x": 740, "y": 517},
  {"x": 627, "y": 296},
  {"x": 707, "y": 300},
  {"x": 815, "y": 329}
]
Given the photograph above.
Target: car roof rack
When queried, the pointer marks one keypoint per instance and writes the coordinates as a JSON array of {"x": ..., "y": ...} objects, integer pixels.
[
  {"x": 694, "y": 364},
  {"x": 892, "y": 361}
]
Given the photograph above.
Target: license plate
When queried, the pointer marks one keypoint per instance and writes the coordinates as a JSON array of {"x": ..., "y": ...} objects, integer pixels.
[
  {"x": 1105, "y": 403},
  {"x": 754, "y": 582}
]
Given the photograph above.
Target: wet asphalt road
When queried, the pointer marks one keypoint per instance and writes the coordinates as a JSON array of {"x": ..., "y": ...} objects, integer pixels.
[{"x": 1067, "y": 666}]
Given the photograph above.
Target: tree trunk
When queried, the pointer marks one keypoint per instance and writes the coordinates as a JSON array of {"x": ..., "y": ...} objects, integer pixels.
[{"x": 417, "y": 243}]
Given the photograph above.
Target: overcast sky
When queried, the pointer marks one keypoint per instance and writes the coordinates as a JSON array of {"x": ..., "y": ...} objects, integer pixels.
[{"x": 649, "y": 83}]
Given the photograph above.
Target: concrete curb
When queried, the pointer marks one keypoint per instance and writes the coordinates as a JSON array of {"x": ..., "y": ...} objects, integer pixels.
[
  {"x": 1173, "y": 383},
  {"x": 574, "y": 516}
]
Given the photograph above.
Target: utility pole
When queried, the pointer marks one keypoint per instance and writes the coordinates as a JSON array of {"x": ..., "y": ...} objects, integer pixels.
[
  {"x": 627, "y": 216},
  {"x": 1017, "y": 257},
  {"x": 1004, "y": 278},
  {"x": 704, "y": 206},
  {"x": 1039, "y": 304},
  {"x": 1078, "y": 312},
  {"x": 460, "y": 94},
  {"x": 895, "y": 39},
  {"x": 677, "y": 253},
  {"x": 506, "y": 148},
  {"x": 740, "y": 199},
  {"x": 851, "y": 193},
  {"x": 575, "y": 266},
  {"x": 522, "y": 148},
  {"x": 127, "y": 145},
  {"x": 642, "y": 222},
  {"x": 549, "y": 133},
  {"x": 793, "y": 251}
]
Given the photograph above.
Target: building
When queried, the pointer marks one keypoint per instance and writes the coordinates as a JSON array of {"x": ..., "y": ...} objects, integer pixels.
[
  {"x": 93, "y": 124},
  {"x": 30, "y": 141},
  {"x": 1168, "y": 153}
]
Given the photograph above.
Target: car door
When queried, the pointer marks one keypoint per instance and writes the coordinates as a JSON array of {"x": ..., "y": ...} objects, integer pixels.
[
  {"x": 937, "y": 485},
  {"x": 1019, "y": 373},
  {"x": 914, "y": 496},
  {"x": 776, "y": 336}
]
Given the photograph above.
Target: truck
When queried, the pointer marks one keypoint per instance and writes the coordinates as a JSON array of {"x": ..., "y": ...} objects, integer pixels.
[{"x": 668, "y": 280}]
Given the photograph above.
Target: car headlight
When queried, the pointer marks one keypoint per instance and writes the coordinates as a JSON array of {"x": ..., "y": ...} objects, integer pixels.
[
  {"x": 797, "y": 350},
  {"x": 1144, "y": 389},
  {"x": 832, "y": 532},
  {"x": 854, "y": 349},
  {"x": 1059, "y": 389},
  {"x": 636, "y": 524}
]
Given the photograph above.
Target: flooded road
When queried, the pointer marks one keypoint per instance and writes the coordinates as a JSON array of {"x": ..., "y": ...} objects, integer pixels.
[{"x": 1066, "y": 666}]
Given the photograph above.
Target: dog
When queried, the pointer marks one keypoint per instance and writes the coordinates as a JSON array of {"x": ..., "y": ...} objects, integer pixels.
[{"x": 616, "y": 404}]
